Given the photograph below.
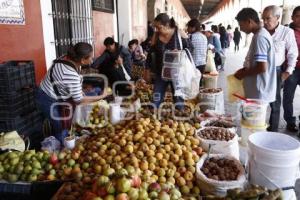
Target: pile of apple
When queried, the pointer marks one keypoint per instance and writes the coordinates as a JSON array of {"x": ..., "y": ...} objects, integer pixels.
[
  {"x": 121, "y": 185},
  {"x": 164, "y": 152},
  {"x": 26, "y": 166}
]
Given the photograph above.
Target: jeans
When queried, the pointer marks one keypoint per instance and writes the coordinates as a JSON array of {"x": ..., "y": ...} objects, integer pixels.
[
  {"x": 44, "y": 103},
  {"x": 160, "y": 87},
  {"x": 289, "y": 89},
  {"x": 275, "y": 106},
  {"x": 201, "y": 68}
]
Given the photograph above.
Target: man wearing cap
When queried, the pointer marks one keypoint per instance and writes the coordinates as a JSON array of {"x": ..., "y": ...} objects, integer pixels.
[
  {"x": 285, "y": 47},
  {"x": 258, "y": 72},
  {"x": 214, "y": 43}
]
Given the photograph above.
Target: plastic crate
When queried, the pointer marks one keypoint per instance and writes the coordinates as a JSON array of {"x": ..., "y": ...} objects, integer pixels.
[
  {"x": 22, "y": 190},
  {"x": 17, "y": 103},
  {"x": 15, "y": 75},
  {"x": 24, "y": 125}
]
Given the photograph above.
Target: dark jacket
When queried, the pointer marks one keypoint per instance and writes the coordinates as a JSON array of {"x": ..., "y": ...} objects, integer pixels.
[
  {"x": 224, "y": 39},
  {"x": 105, "y": 59},
  {"x": 116, "y": 74},
  {"x": 156, "y": 53},
  {"x": 237, "y": 36}
]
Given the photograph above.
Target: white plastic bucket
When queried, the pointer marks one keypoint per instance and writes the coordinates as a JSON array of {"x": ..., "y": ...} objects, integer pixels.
[
  {"x": 210, "y": 81},
  {"x": 273, "y": 159},
  {"x": 254, "y": 114},
  {"x": 211, "y": 101},
  {"x": 246, "y": 131}
]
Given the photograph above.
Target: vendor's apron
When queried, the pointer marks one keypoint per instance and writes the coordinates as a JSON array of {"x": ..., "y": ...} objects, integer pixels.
[{"x": 64, "y": 110}]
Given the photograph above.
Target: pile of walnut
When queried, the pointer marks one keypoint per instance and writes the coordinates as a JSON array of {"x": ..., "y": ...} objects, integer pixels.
[
  {"x": 222, "y": 169},
  {"x": 251, "y": 192},
  {"x": 215, "y": 133},
  {"x": 210, "y": 90},
  {"x": 220, "y": 123}
]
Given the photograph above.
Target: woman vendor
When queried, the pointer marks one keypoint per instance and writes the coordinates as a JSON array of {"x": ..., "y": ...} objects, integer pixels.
[{"x": 63, "y": 85}]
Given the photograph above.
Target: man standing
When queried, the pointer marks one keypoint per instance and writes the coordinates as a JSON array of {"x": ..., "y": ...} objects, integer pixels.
[
  {"x": 199, "y": 43},
  {"x": 259, "y": 72},
  {"x": 285, "y": 47},
  {"x": 291, "y": 83}
]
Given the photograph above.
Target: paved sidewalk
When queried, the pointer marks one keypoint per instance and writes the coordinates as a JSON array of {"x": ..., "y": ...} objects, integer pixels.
[{"x": 233, "y": 62}]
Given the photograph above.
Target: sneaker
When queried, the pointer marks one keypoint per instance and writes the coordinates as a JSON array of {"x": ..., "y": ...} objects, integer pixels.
[{"x": 292, "y": 127}]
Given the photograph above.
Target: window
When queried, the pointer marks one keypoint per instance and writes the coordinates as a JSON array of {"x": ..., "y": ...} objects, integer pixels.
[
  {"x": 103, "y": 5},
  {"x": 72, "y": 20}
]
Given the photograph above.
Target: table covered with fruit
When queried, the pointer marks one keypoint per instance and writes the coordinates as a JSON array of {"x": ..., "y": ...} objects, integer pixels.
[{"x": 165, "y": 154}]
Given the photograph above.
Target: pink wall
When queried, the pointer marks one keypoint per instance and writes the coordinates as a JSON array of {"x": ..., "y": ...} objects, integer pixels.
[
  {"x": 103, "y": 27},
  {"x": 25, "y": 42}
]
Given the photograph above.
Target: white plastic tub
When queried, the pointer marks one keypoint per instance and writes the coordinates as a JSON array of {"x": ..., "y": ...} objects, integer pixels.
[
  {"x": 273, "y": 159},
  {"x": 254, "y": 114}
]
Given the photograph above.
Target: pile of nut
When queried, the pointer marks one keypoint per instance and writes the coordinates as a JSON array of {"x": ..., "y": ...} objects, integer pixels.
[
  {"x": 210, "y": 90},
  {"x": 222, "y": 169},
  {"x": 221, "y": 123},
  {"x": 216, "y": 133}
]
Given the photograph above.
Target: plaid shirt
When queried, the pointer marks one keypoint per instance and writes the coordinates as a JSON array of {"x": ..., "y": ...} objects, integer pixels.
[{"x": 199, "y": 43}]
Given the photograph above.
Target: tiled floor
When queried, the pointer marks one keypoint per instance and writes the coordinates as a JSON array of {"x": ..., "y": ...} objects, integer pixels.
[{"x": 233, "y": 62}]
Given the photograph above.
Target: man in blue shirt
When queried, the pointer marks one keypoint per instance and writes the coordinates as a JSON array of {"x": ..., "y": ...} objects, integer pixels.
[{"x": 259, "y": 71}]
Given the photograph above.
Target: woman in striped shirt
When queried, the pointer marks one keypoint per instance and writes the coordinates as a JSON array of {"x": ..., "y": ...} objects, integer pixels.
[{"x": 63, "y": 85}]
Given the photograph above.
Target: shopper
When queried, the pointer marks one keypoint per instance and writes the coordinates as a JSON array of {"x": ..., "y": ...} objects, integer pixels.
[
  {"x": 258, "y": 72},
  {"x": 230, "y": 34},
  {"x": 236, "y": 38},
  {"x": 137, "y": 55},
  {"x": 199, "y": 44},
  {"x": 214, "y": 41},
  {"x": 285, "y": 48},
  {"x": 291, "y": 83},
  {"x": 111, "y": 48},
  {"x": 224, "y": 38},
  {"x": 63, "y": 84},
  {"x": 165, "y": 38}
]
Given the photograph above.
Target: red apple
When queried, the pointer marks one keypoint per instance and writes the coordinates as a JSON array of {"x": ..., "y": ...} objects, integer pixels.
[
  {"x": 53, "y": 159},
  {"x": 102, "y": 192},
  {"x": 154, "y": 187},
  {"x": 136, "y": 181},
  {"x": 122, "y": 196}
]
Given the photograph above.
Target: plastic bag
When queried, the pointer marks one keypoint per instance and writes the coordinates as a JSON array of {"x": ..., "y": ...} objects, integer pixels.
[
  {"x": 234, "y": 85},
  {"x": 210, "y": 62},
  {"x": 214, "y": 187},
  {"x": 11, "y": 140},
  {"x": 187, "y": 83},
  {"x": 230, "y": 148},
  {"x": 51, "y": 144},
  {"x": 83, "y": 112}
]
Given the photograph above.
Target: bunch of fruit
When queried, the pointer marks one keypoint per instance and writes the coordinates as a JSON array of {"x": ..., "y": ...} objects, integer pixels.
[
  {"x": 121, "y": 185},
  {"x": 164, "y": 152},
  {"x": 24, "y": 166},
  {"x": 98, "y": 116},
  {"x": 169, "y": 111},
  {"x": 143, "y": 91}
]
